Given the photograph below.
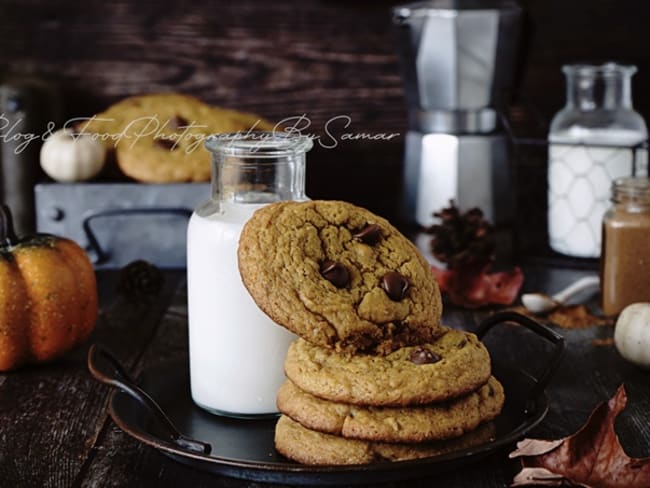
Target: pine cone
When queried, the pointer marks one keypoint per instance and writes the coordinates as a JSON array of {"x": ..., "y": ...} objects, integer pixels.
[
  {"x": 140, "y": 279},
  {"x": 462, "y": 240}
]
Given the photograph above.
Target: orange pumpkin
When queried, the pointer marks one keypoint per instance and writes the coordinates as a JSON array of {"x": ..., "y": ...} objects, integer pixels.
[{"x": 48, "y": 296}]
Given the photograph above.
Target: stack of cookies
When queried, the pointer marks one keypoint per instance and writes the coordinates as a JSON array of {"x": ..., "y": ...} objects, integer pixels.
[
  {"x": 158, "y": 138},
  {"x": 374, "y": 375}
]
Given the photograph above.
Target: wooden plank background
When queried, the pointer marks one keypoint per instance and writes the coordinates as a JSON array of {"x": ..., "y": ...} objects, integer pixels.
[{"x": 315, "y": 57}]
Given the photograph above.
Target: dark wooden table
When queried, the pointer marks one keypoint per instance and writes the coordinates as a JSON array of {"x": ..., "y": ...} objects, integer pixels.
[{"x": 55, "y": 430}]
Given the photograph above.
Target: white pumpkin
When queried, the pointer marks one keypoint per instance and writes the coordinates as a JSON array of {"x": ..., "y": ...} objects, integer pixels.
[
  {"x": 632, "y": 334},
  {"x": 67, "y": 156}
]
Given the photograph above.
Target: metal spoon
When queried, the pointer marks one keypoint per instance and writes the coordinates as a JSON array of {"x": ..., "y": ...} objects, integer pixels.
[{"x": 542, "y": 303}]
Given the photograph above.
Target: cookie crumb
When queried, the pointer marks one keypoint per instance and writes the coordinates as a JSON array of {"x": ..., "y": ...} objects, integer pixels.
[
  {"x": 575, "y": 317},
  {"x": 567, "y": 317}
]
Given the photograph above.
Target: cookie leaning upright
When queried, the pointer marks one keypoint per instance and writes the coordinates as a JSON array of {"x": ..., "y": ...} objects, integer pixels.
[{"x": 339, "y": 276}]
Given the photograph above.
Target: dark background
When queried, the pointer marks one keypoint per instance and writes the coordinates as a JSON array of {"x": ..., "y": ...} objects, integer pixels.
[{"x": 320, "y": 58}]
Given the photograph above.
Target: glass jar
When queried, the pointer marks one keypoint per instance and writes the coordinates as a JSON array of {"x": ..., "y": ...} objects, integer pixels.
[
  {"x": 625, "y": 262},
  {"x": 593, "y": 140},
  {"x": 236, "y": 351}
]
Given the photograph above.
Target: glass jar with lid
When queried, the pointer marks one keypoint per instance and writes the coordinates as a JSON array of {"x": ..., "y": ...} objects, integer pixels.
[
  {"x": 625, "y": 260},
  {"x": 236, "y": 351},
  {"x": 593, "y": 140}
]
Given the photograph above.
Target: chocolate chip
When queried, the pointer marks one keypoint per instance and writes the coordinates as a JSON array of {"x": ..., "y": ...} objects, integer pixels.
[
  {"x": 461, "y": 344},
  {"x": 421, "y": 355},
  {"x": 335, "y": 273},
  {"x": 167, "y": 144},
  {"x": 370, "y": 234},
  {"x": 176, "y": 122},
  {"x": 395, "y": 285}
]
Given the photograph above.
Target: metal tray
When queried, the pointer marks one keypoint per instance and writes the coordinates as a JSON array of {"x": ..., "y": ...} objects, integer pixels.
[{"x": 244, "y": 448}]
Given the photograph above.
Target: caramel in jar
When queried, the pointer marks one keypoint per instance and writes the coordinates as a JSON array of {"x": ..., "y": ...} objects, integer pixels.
[{"x": 625, "y": 257}]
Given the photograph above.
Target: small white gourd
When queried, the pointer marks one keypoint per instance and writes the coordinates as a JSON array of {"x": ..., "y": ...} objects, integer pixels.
[
  {"x": 632, "y": 334},
  {"x": 67, "y": 156}
]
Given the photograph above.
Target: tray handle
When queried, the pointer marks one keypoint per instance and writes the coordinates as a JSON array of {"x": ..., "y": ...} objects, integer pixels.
[
  {"x": 107, "y": 369},
  {"x": 101, "y": 255},
  {"x": 541, "y": 330}
]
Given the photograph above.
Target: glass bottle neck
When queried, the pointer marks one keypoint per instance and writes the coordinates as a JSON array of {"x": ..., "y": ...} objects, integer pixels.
[
  {"x": 242, "y": 180},
  {"x": 259, "y": 167},
  {"x": 631, "y": 194},
  {"x": 598, "y": 88}
]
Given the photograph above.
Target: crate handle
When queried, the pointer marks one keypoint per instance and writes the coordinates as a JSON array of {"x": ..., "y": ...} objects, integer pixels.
[{"x": 102, "y": 256}]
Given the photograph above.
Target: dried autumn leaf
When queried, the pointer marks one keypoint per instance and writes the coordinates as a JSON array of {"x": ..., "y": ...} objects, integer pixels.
[
  {"x": 592, "y": 457},
  {"x": 478, "y": 289},
  {"x": 540, "y": 477}
]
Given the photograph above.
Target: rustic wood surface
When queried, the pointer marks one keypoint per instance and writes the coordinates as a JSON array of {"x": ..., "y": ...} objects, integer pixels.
[
  {"x": 281, "y": 59},
  {"x": 55, "y": 430},
  {"x": 51, "y": 417}
]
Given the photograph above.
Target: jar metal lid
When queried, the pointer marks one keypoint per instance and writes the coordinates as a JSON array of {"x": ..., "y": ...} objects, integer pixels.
[{"x": 262, "y": 144}]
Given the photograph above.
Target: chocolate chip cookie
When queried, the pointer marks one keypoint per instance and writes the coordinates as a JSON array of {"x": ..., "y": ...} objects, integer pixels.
[
  {"x": 159, "y": 138},
  {"x": 436, "y": 421},
  {"x": 455, "y": 364},
  {"x": 303, "y": 445},
  {"x": 339, "y": 276}
]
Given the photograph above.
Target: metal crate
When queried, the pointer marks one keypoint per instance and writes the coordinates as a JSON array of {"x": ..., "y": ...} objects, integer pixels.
[{"x": 121, "y": 222}]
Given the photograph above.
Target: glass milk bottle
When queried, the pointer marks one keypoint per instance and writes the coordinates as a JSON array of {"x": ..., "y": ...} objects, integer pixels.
[
  {"x": 593, "y": 140},
  {"x": 236, "y": 351}
]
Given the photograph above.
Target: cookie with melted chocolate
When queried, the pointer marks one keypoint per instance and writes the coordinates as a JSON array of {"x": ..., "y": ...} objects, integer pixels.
[{"x": 339, "y": 276}]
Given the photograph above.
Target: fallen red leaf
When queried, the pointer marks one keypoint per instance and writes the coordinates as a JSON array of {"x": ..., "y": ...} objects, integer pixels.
[
  {"x": 592, "y": 457},
  {"x": 468, "y": 288}
]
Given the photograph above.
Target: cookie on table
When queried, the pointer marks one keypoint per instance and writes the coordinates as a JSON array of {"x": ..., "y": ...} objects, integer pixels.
[
  {"x": 306, "y": 446},
  {"x": 339, "y": 276},
  {"x": 454, "y": 365},
  {"x": 437, "y": 421},
  {"x": 159, "y": 138}
]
